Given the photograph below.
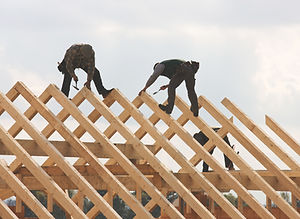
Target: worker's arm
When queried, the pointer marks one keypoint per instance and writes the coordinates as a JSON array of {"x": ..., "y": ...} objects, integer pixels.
[
  {"x": 70, "y": 68},
  {"x": 157, "y": 71},
  {"x": 90, "y": 72}
]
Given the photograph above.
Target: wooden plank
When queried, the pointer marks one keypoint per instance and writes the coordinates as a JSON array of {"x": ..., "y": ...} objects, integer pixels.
[
  {"x": 100, "y": 137},
  {"x": 51, "y": 150},
  {"x": 175, "y": 184},
  {"x": 79, "y": 131},
  {"x": 269, "y": 203},
  {"x": 81, "y": 199},
  {"x": 238, "y": 135},
  {"x": 67, "y": 150},
  {"x": 6, "y": 212},
  {"x": 36, "y": 170},
  {"x": 18, "y": 199},
  {"x": 289, "y": 140},
  {"x": 189, "y": 140},
  {"x": 19, "y": 188},
  {"x": 83, "y": 152},
  {"x": 80, "y": 181},
  {"x": 91, "y": 175},
  {"x": 260, "y": 134},
  {"x": 50, "y": 202},
  {"x": 209, "y": 145},
  {"x": 240, "y": 204}
]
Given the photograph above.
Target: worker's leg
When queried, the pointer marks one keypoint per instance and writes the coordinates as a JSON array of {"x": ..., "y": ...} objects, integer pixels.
[
  {"x": 190, "y": 86},
  {"x": 66, "y": 83},
  {"x": 174, "y": 83},
  {"x": 228, "y": 162},
  {"x": 205, "y": 166},
  {"x": 98, "y": 83}
]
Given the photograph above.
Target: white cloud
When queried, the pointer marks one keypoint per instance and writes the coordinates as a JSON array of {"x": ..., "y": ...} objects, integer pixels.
[
  {"x": 277, "y": 78},
  {"x": 33, "y": 80}
]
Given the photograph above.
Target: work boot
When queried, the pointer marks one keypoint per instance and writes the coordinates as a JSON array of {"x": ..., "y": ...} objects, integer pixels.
[
  {"x": 165, "y": 108},
  {"x": 106, "y": 93}
]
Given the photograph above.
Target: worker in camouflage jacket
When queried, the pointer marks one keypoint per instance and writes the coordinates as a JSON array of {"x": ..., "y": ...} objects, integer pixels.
[
  {"x": 81, "y": 56},
  {"x": 177, "y": 71}
]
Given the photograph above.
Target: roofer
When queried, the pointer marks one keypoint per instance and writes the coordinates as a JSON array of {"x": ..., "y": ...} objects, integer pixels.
[
  {"x": 81, "y": 56},
  {"x": 177, "y": 71},
  {"x": 202, "y": 139}
]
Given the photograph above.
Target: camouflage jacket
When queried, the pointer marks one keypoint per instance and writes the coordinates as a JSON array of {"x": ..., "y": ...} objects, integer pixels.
[{"x": 80, "y": 56}]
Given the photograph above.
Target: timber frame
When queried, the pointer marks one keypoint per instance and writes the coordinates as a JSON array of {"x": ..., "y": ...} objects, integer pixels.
[{"x": 134, "y": 165}]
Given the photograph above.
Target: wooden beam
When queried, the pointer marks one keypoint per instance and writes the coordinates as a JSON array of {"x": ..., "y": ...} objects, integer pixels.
[
  {"x": 37, "y": 171},
  {"x": 91, "y": 175},
  {"x": 19, "y": 188},
  {"x": 260, "y": 134},
  {"x": 209, "y": 145},
  {"x": 240, "y": 204},
  {"x": 50, "y": 202},
  {"x": 6, "y": 212},
  {"x": 51, "y": 150},
  {"x": 84, "y": 152},
  {"x": 100, "y": 137},
  {"x": 189, "y": 140},
  {"x": 289, "y": 140},
  {"x": 67, "y": 150},
  {"x": 262, "y": 158},
  {"x": 175, "y": 184}
]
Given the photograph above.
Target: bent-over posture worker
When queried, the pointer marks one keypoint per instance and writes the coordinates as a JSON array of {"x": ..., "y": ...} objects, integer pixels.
[
  {"x": 81, "y": 56},
  {"x": 177, "y": 71},
  {"x": 202, "y": 139}
]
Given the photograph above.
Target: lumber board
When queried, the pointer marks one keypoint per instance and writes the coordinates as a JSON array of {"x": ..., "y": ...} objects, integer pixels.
[
  {"x": 89, "y": 157},
  {"x": 67, "y": 150},
  {"x": 6, "y": 212},
  {"x": 18, "y": 187},
  {"x": 289, "y": 140},
  {"x": 21, "y": 154},
  {"x": 207, "y": 157},
  {"x": 91, "y": 175},
  {"x": 59, "y": 159},
  {"x": 260, "y": 134},
  {"x": 177, "y": 185},
  {"x": 122, "y": 160},
  {"x": 238, "y": 135}
]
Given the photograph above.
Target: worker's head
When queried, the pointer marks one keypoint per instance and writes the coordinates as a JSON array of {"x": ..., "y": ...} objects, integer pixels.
[{"x": 195, "y": 66}]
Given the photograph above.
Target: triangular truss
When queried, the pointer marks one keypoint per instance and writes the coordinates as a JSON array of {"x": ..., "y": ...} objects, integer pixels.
[{"x": 134, "y": 166}]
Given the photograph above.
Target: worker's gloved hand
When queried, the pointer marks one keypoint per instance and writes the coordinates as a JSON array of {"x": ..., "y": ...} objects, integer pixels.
[
  {"x": 75, "y": 78},
  {"x": 88, "y": 84}
]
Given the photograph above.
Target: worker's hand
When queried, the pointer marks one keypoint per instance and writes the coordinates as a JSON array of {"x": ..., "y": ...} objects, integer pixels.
[
  {"x": 88, "y": 84},
  {"x": 75, "y": 78},
  {"x": 164, "y": 87},
  {"x": 143, "y": 90}
]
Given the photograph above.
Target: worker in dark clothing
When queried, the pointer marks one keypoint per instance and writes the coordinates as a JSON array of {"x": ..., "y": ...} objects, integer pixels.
[
  {"x": 177, "y": 71},
  {"x": 202, "y": 139},
  {"x": 81, "y": 56}
]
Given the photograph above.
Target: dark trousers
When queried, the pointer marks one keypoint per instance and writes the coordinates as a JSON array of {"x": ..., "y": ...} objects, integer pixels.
[
  {"x": 97, "y": 81},
  {"x": 228, "y": 162},
  {"x": 176, "y": 80},
  {"x": 202, "y": 139}
]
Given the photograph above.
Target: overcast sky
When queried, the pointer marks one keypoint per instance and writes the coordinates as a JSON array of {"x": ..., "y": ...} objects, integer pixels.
[{"x": 249, "y": 51}]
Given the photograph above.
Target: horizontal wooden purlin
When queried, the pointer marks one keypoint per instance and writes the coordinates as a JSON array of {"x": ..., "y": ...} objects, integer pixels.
[
  {"x": 96, "y": 181},
  {"x": 67, "y": 151},
  {"x": 87, "y": 170}
]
